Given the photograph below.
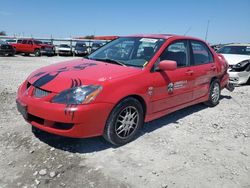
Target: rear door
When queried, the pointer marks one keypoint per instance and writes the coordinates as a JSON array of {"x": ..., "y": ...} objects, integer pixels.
[
  {"x": 29, "y": 46},
  {"x": 204, "y": 67},
  {"x": 173, "y": 88},
  {"x": 23, "y": 47}
]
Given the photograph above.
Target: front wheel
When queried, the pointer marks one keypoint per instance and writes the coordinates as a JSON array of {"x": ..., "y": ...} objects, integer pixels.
[
  {"x": 214, "y": 93},
  {"x": 124, "y": 122}
]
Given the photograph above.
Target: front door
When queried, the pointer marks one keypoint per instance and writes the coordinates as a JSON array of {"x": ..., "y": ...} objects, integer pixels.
[{"x": 173, "y": 88}]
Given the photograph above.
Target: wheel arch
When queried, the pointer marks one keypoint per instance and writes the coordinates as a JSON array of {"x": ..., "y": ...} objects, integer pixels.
[{"x": 137, "y": 97}]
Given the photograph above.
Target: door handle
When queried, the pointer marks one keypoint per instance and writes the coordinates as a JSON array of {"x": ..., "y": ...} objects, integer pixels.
[{"x": 190, "y": 72}]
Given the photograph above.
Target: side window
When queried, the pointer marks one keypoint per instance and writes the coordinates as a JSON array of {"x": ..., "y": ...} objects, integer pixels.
[
  {"x": 201, "y": 53},
  {"x": 177, "y": 51},
  {"x": 30, "y": 42},
  {"x": 24, "y": 42},
  {"x": 19, "y": 41}
]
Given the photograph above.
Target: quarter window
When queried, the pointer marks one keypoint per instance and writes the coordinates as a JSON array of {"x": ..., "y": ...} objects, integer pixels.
[{"x": 201, "y": 53}]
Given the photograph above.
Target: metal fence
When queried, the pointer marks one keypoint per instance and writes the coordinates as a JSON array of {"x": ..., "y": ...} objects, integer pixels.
[{"x": 56, "y": 41}]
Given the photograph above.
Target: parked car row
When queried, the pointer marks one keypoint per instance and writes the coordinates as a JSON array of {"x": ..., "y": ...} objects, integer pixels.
[{"x": 38, "y": 48}]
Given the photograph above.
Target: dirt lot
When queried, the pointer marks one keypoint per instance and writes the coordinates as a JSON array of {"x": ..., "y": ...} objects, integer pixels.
[{"x": 194, "y": 147}]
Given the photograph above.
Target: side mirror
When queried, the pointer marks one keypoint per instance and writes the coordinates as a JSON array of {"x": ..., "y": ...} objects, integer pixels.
[{"x": 167, "y": 65}]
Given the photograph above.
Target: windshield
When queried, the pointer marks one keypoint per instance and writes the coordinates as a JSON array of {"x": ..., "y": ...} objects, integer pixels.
[
  {"x": 129, "y": 51},
  {"x": 64, "y": 46},
  {"x": 80, "y": 45},
  {"x": 2, "y": 42},
  {"x": 242, "y": 50}
]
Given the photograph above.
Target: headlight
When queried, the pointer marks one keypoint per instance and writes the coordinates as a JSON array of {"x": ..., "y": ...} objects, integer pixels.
[
  {"x": 241, "y": 64},
  {"x": 78, "y": 95}
]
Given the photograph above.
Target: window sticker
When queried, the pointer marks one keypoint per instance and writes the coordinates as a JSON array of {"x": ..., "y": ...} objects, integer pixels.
[{"x": 148, "y": 40}]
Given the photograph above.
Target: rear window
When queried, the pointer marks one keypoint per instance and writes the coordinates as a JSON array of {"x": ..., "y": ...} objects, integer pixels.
[
  {"x": 38, "y": 42},
  {"x": 24, "y": 42}
]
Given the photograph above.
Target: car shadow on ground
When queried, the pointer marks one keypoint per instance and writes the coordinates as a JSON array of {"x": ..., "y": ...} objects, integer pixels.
[{"x": 89, "y": 145}]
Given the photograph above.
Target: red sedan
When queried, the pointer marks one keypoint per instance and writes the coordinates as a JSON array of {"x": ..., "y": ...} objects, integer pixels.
[{"x": 125, "y": 83}]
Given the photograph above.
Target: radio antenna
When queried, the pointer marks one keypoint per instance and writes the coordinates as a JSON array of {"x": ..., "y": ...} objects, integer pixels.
[
  {"x": 187, "y": 30},
  {"x": 207, "y": 30}
]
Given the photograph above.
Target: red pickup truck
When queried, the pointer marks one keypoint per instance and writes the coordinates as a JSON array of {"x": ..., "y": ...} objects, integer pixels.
[{"x": 32, "y": 46}]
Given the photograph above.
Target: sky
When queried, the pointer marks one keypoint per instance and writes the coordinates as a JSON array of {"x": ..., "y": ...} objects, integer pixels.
[{"x": 227, "y": 20}]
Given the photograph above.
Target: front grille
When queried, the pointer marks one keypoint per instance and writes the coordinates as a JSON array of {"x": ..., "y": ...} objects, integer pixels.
[
  {"x": 35, "y": 119},
  {"x": 39, "y": 93},
  {"x": 6, "y": 47}
]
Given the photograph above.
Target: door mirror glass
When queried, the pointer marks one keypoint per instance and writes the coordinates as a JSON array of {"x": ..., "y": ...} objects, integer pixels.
[{"x": 167, "y": 65}]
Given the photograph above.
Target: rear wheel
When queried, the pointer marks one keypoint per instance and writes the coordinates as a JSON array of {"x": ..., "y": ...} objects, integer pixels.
[
  {"x": 124, "y": 122},
  {"x": 37, "y": 53},
  {"x": 214, "y": 93}
]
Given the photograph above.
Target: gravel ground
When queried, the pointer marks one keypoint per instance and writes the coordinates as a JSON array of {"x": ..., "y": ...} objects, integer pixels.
[{"x": 194, "y": 147}]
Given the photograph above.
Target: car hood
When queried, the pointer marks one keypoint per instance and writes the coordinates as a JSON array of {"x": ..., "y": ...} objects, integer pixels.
[
  {"x": 233, "y": 59},
  {"x": 64, "y": 48},
  {"x": 65, "y": 75}
]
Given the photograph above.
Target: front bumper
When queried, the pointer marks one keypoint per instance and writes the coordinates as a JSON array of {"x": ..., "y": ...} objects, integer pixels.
[
  {"x": 7, "y": 51},
  {"x": 78, "y": 121},
  {"x": 239, "y": 77}
]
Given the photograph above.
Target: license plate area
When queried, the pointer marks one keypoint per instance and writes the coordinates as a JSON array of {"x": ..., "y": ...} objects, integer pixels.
[{"x": 22, "y": 109}]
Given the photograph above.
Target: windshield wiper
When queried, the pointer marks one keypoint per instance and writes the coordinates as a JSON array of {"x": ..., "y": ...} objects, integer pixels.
[{"x": 110, "y": 61}]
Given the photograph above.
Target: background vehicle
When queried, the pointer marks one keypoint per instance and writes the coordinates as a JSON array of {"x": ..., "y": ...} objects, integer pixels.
[
  {"x": 238, "y": 57},
  {"x": 6, "y": 49},
  {"x": 95, "y": 45},
  {"x": 11, "y": 41},
  {"x": 81, "y": 49},
  {"x": 31, "y": 46},
  {"x": 64, "y": 49},
  {"x": 117, "y": 88}
]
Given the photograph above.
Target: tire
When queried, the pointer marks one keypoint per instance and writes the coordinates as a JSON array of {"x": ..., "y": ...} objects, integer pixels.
[
  {"x": 37, "y": 53},
  {"x": 214, "y": 93},
  {"x": 12, "y": 54},
  {"x": 124, "y": 122}
]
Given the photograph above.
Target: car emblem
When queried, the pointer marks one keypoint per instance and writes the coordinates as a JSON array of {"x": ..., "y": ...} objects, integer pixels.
[
  {"x": 170, "y": 87},
  {"x": 150, "y": 91}
]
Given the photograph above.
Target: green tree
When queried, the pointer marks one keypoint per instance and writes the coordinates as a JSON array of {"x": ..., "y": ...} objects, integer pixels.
[{"x": 2, "y": 33}]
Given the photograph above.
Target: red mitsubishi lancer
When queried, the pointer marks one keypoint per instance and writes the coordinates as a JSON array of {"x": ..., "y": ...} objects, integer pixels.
[{"x": 123, "y": 84}]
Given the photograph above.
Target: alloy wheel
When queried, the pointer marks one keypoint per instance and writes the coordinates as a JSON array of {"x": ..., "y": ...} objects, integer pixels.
[{"x": 127, "y": 122}]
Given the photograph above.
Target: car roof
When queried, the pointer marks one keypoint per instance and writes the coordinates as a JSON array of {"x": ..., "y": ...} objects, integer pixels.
[
  {"x": 164, "y": 36},
  {"x": 238, "y": 44}
]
